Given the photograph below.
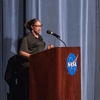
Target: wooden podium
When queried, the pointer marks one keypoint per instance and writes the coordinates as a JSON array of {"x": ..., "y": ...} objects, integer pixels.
[{"x": 49, "y": 78}]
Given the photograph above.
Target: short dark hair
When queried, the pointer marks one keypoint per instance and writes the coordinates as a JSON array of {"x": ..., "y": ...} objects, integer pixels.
[{"x": 29, "y": 23}]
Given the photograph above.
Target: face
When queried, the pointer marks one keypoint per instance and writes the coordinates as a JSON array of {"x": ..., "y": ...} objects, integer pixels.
[{"x": 36, "y": 27}]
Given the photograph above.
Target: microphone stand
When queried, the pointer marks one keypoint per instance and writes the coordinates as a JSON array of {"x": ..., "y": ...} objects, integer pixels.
[
  {"x": 62, "y": 41},
  {"x": 58, "y": 37}
]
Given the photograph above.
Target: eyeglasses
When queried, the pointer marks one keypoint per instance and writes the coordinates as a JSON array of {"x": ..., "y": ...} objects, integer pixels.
[{"x": 38, "y": 25}]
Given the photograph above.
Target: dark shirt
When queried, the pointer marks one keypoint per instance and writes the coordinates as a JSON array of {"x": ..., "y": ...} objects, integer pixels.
[{"x": 32, "y": 45}]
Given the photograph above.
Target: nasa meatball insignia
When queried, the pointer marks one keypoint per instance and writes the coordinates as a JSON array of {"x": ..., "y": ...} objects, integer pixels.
[{"x": 72, "y": 64}]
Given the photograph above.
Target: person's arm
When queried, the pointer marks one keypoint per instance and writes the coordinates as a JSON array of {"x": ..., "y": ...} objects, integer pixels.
[
  {"x": 24, "y": 48},
  {"x": 25, "y": 54}
]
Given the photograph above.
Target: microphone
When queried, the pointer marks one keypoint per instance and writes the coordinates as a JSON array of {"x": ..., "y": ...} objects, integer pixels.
[
  {"x": 49, "y": 32},
  {"x": 57, "y": 36}
]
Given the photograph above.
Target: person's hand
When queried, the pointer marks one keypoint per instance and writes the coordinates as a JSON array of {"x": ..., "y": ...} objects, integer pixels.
[
  {"x": 29, "y": 56},
  {"x": 50, "y": 46}
]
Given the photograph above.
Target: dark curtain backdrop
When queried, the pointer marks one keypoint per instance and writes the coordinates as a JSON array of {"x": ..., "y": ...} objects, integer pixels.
[{"x": 76, "y": 21}]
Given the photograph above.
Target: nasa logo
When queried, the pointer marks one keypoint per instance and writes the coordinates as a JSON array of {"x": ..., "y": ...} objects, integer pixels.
[{"x": 72, "y": 64}]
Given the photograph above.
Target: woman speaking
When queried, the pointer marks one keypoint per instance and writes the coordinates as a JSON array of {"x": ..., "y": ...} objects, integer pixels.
[{"x": 32, "y": 43}]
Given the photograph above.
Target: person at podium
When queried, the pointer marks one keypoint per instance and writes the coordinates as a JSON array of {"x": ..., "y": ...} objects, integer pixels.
[{"x": 32, "y": 43}]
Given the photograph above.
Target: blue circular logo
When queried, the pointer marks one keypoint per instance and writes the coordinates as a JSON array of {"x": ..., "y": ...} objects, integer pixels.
[{"x": 72, "y": 64}]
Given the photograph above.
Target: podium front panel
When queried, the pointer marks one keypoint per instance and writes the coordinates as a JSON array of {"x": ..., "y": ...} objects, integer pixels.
[{"x": 49, "y": 78}]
